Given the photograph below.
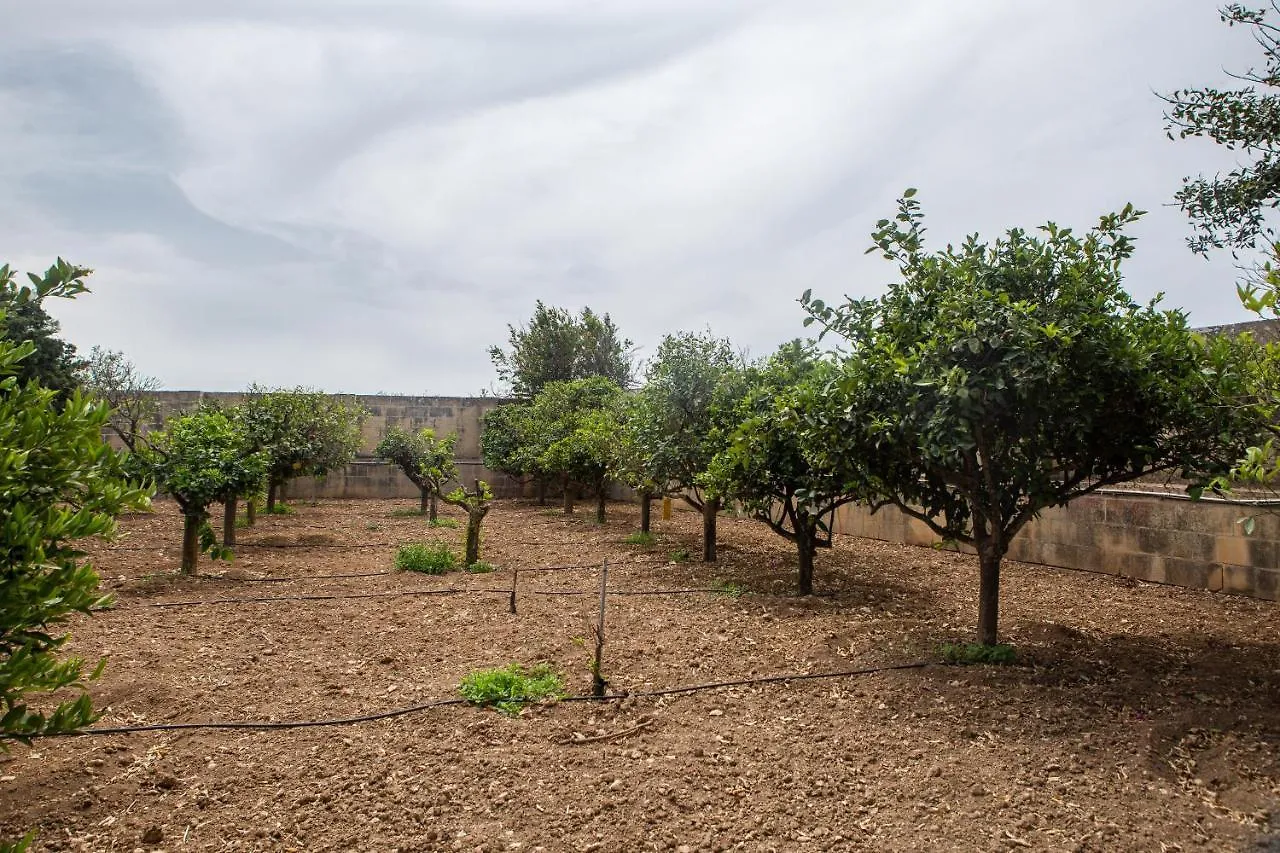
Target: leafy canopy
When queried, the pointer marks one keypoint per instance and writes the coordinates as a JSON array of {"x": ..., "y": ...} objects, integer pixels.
[
  {"x": 304, "y": 433},
  {"x": 427, "y": 461},
  {"x": 995, "y": 380},
  {"x": 59, "y": 484},
  {"x": 556, "y": 346}
]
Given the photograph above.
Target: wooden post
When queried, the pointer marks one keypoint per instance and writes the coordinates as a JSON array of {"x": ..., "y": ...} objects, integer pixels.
[
  {"x": 515, "y": 573},
  {"x": 597, "y": 680}
]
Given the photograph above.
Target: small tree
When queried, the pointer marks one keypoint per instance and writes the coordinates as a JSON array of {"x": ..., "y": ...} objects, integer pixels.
[
  {"x": 567, "y": 435},
  {"x": 113, "y": 379},
  {"x": 555, "y": 346},
  {"x": 304, "y": 433},
  {"x": 60, "y": 484},
  {"x": 635, "y": 454},
  {"x": 776, "y": 464},
  {"x": 428, "y": 462},
  {"x": 476, "y": 502},
  {"x": 198, "y": 459},
  {"x": 688, "y": 409},
  {"x": 993, "y": 381}
]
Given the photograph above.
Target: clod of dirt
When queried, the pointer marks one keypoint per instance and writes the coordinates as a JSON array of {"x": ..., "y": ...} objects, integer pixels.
[{"x": 152, "y": 835}]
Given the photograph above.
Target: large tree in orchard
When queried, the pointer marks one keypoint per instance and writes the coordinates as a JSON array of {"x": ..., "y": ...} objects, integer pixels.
[
  {"x": 60, "y": 485},
  {"x": 1230, "y": 210},
  {"x": 305, "y": 433},
  {"x": 506, "y": 445},
  {"x": 427, "y": 461},
  {"x": 994, "y": 380},
  {"x": 556, "y": 346},
  {"x": 776, "y": 463},
  {"x": 683, "y": 416},
  {"x": 52, "y": 361}
]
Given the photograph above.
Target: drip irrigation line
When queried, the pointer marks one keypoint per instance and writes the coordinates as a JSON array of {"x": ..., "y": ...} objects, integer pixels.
[
  {"x": 439, "y": 703},
  {"x": 267, "y": 599},
  {"x": 285, "y": 578}
]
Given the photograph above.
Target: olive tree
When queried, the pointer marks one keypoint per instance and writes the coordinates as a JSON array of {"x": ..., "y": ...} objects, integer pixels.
[
  {"x": 774, "y": 466},
  {"x": 995, "y": 380},
  {"x": 427, "y": 461},
  {"x": 60, "y": 484},
  {"x": 199, "y": 459}
]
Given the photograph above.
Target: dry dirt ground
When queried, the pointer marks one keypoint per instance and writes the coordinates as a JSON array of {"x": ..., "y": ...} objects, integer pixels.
[{"x": 1139, "y": 717}]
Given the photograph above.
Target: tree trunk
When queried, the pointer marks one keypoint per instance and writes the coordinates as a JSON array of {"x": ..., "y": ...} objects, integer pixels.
[
  {"x": 424, "y": 499},
  {"x": 273, "y": 489},
  {"x": 433, "y": 510},
  {"x": 646, "y": 511},
  {"x": 251, "y": 511},
  {"x": 601, "y": 495},
  {"x": 568, "y": 497},
  {"x": 190, "y": 543},
  {"x": 806, "y": 546},
  {"x": 229, "y": 522},
  {"x": 989, "y": 557},
  {"x": 541, "y": 485},
  {"x": 710, "y": 507},
  {"x": 474, "y": 519}
]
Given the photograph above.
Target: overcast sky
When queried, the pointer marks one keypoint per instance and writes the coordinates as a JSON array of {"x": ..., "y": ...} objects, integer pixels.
[{"x": 360, "y": 196}]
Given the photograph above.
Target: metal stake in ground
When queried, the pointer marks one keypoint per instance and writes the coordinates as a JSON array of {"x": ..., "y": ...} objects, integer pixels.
[
  {"x": 515, "y": 574},
  {"x": 597, "y": 680}
]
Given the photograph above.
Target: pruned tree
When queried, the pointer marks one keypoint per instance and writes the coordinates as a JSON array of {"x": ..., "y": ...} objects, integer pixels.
[
  {"x": 60, "y": 484},
  {"x": 476, "y": 503},
  {"x": 427, "y": 461},
  {"x": 776, "y": 463},
  {"x": 304, "y": 433},
  {"x": 556, "y": 346},
  {"x": 993, "y": 381},
  {"x": 199, "y": 459},
  {"x": 112, "y": 378},
  {"x": 635, "y": 454}
]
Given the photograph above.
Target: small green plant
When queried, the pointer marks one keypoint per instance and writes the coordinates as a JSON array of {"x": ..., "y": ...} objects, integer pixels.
[
  {"x": 644, "y": 539},
  {"x": 405, "y": 512},
  {"x": 510, "y": 688},
  {"x": 278, "y": 509},
  {"x": 443, "y": 522},
  {"x": 729, "y": 589},
  {"x": 966, "y": 654},
  {"x": 480, "y": 567},
  {"x": 680, "y": 555},
  {"x": 428, "y": 559},
  {"x": 372, "y": 526}
]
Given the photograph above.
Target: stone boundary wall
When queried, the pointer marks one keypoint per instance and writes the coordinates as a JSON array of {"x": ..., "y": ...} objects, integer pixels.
[{"x": 1162, "y": 538}]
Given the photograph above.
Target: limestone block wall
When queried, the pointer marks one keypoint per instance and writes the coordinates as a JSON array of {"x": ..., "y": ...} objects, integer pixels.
[{"x": 1148, "y": 536}]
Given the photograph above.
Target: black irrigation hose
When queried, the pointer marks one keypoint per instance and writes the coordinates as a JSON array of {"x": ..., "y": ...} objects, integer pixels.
[
  {"x": 316, "y": 577},
  {"x": 413, "y": 709},
  {"x": 266, "y": 599}
]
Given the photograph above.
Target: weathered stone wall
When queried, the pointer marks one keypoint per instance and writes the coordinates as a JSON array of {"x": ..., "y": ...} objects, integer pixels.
[{"x": 1148, "y": 536}]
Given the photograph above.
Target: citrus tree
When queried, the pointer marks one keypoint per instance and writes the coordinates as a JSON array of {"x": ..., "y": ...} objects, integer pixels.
[
  {"x": 571, "y": 432},
  {"x": 303, "y": 433},
  {"x": 772, "y": 463},
  {"x": 199, "y": 459},
  {"x": 427, "y": 461},
  {"x": 995, "y": 380}
]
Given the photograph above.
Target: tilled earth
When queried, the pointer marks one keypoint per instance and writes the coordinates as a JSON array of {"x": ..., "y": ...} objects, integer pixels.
[{"x": 1138, "y": 717}]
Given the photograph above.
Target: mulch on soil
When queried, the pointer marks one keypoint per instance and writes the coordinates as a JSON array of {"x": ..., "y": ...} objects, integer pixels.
[{"x": 1139, "y": 717}]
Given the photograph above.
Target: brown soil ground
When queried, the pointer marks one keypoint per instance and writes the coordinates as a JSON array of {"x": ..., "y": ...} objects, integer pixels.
[{"x": 1139, "y": 717}]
